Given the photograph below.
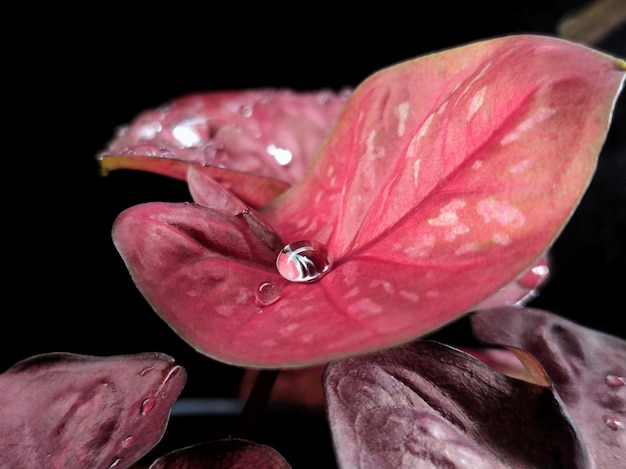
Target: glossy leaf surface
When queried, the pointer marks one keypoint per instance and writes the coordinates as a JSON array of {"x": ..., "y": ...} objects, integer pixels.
[
  {"x": 429, "y": 405},
  {"x": 587, "y": 369},
  {"x": 68, "y": 411},
  {"x": 445, "y": 178},
  {"x": 255, "y": 142}
]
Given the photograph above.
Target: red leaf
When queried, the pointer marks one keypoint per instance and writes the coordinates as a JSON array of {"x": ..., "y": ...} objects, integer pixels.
[
  {"x": 61, "y": 410},
  {"x": 231, "y": 453},
  {"x": 429, "y": 405},
  {"x": 445, "y": 178}
]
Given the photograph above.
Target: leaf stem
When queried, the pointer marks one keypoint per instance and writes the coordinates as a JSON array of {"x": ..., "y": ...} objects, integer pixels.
[{"x": 256, "y": 404}]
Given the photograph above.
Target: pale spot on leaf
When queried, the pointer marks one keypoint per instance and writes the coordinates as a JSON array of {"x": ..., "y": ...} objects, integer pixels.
[
  {"x": 500, "y": 211},
  {"x": 477, "y": 102},
  {"x": 402, "y": 111},
  {"x": 540, "y": 115}
]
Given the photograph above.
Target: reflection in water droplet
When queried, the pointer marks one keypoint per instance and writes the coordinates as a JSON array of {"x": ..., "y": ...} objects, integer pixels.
[
  {"x": 245, "y": 110},
  {"x": 304, "y": 261},
  {"x": 281, "y": 155},
  {"x": 115, "y": 463},
  {"x": 147, "y": 405},
  {"x": 614, "y": 380},
  {"x": 128, "y": 441},
  {"x": 266, "y": 294},
  {"x": 614, "y": 423}
]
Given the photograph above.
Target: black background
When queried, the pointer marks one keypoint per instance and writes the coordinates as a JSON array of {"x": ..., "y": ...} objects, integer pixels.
[{"x": 74, "y": 76}]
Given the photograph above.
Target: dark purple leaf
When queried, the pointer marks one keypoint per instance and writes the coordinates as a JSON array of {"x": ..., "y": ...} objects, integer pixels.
[
  {"x": 428, "y": 405},
  {"x": 66, "y": 411},
  {"x": 587, "y": 369},
  {"x": 232, "y": 453}
]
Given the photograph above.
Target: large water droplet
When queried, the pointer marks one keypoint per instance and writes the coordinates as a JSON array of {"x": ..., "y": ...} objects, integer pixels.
[
  {"x": 614, "y": 423},
  {"x": 147, "y": 405},
  {"x": 128, "y": 441},
  {"x": 614, "y": 380},
  {"x": 304, "y": 261},
  {"x": 266, "y": 294}
]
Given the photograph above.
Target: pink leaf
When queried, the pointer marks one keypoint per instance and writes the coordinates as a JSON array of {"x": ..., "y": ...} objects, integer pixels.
[
  {"x": 61, "y": 410},
  {"x": 429, "y": 405},
  {"x": 586, "y": 367},
  {"x": 445, "y": 178},
  {"x": 257, "y": 142},
  {"x": 231, "y": 453}
]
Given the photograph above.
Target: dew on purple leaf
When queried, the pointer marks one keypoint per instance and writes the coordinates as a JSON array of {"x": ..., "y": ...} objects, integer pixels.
[
  {"x": 128, "y": 441},
  {"x": 614, "y": 380},
  {"x": 614, "y": 423},
  {"x": 147, "y": 405}
]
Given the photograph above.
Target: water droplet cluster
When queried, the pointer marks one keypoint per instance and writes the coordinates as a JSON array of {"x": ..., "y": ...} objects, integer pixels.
[{"x": 614, "y": 422}]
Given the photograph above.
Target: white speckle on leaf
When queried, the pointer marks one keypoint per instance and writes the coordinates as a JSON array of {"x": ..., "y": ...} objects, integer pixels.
[
  {"x": 477, "y": 164},
  {"x": 500, "y": 211},
  {"x": 501, "y": 239},
  {"x": 421, "y": 248},
  {"x": 371, "y": 152},
  {"x": 540, "y": 115},
  {"x": 382, "y": 283},
  {"x": 408, "y": 295},
  {"x": 416, "y": 172},
  {"x": 352, "y": 293},
  {"x": 476, "y": 102},
  {"x": 466, "y": 248},
  {"x": 402, "y": 111},
  {"x": 449, "y": 218},
  {"x": 520, "y": 167},
  {"x": 412, "y": 148},
  {"x": 447, "y": 213},
  {"x": 365, "y": 305}
]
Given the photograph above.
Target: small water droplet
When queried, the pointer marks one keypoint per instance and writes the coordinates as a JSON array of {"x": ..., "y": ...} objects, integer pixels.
[
  {"x": 304, "y": 261},
  {"x": 266, "y": 294},
  {"x": 128, "y": 441},
  {"x": 614, "y": 423},
  {"x": 115, "y": 463},
  {"x": 614, "y": 380},
  {"x": 282, "y": 156},
  {"x": 535, "y": 277},
  {"x": 147, "y": 405},
  {"x": 245, "y": 110}
]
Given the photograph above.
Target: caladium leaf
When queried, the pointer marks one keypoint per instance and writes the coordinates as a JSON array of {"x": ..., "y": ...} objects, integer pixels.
[
  {"x": 62, "y": 410},
  {"x": 587, "y": 369},
  {"x": 256, "y": 142},
  {"x": 429, "y": 405},
  {"x": 445, "y": 178},
  {"x": 231, "y": 453}
]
